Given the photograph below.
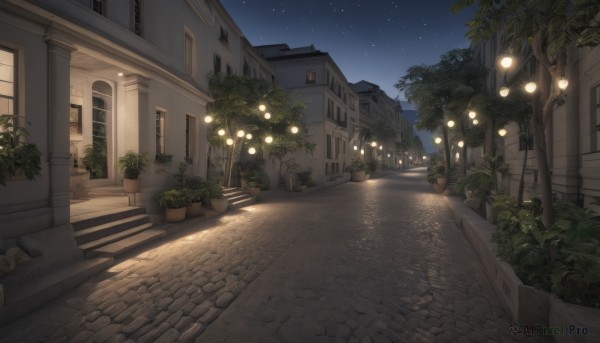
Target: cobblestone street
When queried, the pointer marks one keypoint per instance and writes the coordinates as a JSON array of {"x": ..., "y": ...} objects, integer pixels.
[{"x": 377, "y": 261}]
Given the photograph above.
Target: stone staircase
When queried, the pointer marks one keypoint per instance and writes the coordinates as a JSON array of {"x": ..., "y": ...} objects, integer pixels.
[
  {"x": 113, "y": 232},
  {"x": 106, "y": 191},
  {"x": 238, "y": 198}
]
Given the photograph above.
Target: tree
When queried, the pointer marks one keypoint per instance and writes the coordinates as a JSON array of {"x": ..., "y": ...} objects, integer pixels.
[
  {"x": 547, "y": 29},
  {"x": 443, "y": 91},
  {"x": 238, "y": 106}
]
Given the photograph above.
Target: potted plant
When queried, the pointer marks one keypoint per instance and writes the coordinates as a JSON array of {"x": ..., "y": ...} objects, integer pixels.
[
  {"x": 358, "y": 170},
  {"x": 215, "y": 194},
  {"x": 174, "y": 202},
  {"x": 16, "y": 156},
  {"x": 194, "y": 206},
  {"x": 132, "y": 164},
  {"x": 94, "y": 159}
]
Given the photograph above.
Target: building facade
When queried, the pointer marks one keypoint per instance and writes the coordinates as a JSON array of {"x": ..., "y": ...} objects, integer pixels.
[
  {"x": 572, "y": 134},
  {"x": 102, "y": 78},
  {"x": 331, "y": 113}
]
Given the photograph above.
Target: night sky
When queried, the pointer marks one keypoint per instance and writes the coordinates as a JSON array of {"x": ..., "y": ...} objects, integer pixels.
[{"x": 374, "y": 40}]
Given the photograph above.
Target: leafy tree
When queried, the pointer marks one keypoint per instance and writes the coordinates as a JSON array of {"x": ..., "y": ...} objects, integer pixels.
[
  {"x": 237, "y": 107},
  {"x": 547, "y": 29},
  {"x": 443, "y": 91}
]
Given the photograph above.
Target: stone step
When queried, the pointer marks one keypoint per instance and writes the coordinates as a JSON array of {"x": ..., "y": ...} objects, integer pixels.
[
  {"x": 97, "y": 232},
  {"x": 88, "y": 220},
  {"x": 106, "y": 191},
  {"x": 126, "y": 244},
  {"x": 114, "y": 238},
  {"x": 241, "y": 203},
  {"x": 233, "y": 193},
  {"x": 238, "y": 197}
]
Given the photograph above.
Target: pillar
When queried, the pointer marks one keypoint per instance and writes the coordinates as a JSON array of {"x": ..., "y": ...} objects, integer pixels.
[{"x": 137, "y": 115}]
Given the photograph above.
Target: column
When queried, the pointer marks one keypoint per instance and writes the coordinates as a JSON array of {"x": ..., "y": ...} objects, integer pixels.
[
  {"x": 137, "y": 115},
  {"x": 59, "y": 81}
]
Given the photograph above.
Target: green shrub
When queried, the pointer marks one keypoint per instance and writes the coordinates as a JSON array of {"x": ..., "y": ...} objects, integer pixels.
[
  {"x": 564, "y": 259},
  {"x": 173, "y": 198}
]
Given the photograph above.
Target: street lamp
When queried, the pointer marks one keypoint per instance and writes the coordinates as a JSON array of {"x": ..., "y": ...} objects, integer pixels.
[
  {"x": 241, "y": 133},
  {"x": 362, "y": 151},
  {"x": 208, "y": 118},
  {"x": 530, "y": 87},
  {"x": 252, "y": 151},
  {"x": 221, "y": 132},
  {"x": 502, "y": 132},
  {"x": 506, "y": 61},
  {"x": 294, "y": 129},
  {"x": 451, "y": 123},
  {"x": 269, "y": 139},
  {"x": 373, "y": 144},
  {"x": 229, "y": 141},
  {"x": 475, "y": 121},
  {"x": 248, "y": 136},
  {"x": 262, "y": 107},
  {"x": 461, "y": 144},
  {"x": 267, "y": 115},
  {"x": 437, "y": 140},
  {"x": 472, "y": 114},
  {"x": 355, "y": 148},
  {"x": 504, "y": 91},
  {"x": 563, "y": 83}
]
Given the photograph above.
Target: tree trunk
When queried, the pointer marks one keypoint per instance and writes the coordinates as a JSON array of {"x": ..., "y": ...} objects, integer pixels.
[
  {"x": 539, "y": 137},
  {"x": 447, "y": 153},
  {"x": 522, "y": 179},
  {"x": 490, "y": 137}
]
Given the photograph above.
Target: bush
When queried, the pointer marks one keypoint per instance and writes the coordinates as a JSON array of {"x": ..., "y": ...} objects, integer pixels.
[
  {"x": 173, "y": 198},
  {"x": 564, "y": 259}
]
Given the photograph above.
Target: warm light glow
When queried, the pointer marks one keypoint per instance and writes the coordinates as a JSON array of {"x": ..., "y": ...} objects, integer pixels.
[
  {"x": 451, "y": 123},
  {"x": 241, "y": 133},
  {"x": 563, "y": 83},
  {"x": 475, "y": 121},
  {"x": 381, "y": 147},
  {"x": 437, "y": 140},
  {"x": 252, "y": 151},
  {"x": 389, "y": 155},
  {"x": 355, "y": 148},
  {"x": 410, "y": 158},
  {"x": 400, "y": 161},
  {"x": 262, "y": 107},
  {"x": 362, "y": 151},
  {"x": 248, "y": 136},
  {"x": 425, "y": 157},
  {"x": 269, "y": 139},
  {"x": 294, "y": 129},
  {"x": 373, "y": 144},
  {"x": 267, "y": 115},
  {"x": 457, "y": 155},
  {"x": 472, "y": 114},
  {"x": 461, "y": 144},
  {"x": 229, "y": 141},
  {"x": 120, "y": 74},
  {"x": 502, "y": 132},
  {"x": 504, "y": 91},
  {"x": 221, "y": 132},
  {"x": 208, "y": 118},
  {"x": 506, "y": 62},
  {"x": 530, "y": 87}
]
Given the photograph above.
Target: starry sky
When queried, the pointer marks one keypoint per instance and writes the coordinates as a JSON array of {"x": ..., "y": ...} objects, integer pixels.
[{"x": 375, "y": 40}]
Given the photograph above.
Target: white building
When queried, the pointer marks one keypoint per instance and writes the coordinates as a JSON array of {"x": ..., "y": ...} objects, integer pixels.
[
  {"x": 573, "y": 131},
  {"x": 124, "y": 75},
  {"x": 331, "y": 115}
]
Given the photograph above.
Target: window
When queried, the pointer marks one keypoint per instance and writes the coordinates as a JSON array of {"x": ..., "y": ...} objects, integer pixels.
[
  {"x": 190, "y": 125},
  {"x": 337, "y": 114},
  {"x": 311, "y": 76},
  {"x": 224, "y": 36},
  {"x": 337, "y": 147},
  {"x": 160, "y": 132},
  {"x": 101, "y": 117},
  {"x": 75, "y": 120},
  {"x": 217, "y": 64},
  {"x": 595, "y": 119},
  {"x": 329, "y": 146},
  {"x": 99, "y": 6},
  {"x": 138, "y": 27},
  {"x": 228, "y": 70},
  {"x": 7, "y": 81},
  {"x": 329, "y": 108},
  {"x": 246, "y": 68},
  {"x": 189, "y": 52}
]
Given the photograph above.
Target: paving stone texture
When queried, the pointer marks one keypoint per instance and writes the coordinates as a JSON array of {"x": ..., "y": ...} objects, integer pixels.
[{"x": 377, "y": 261}]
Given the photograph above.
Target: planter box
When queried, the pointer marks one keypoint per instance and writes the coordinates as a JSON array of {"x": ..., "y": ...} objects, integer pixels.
[
  {"x": 174, "y": 215},
  {"x": 195, "y": 210},
  {"x": 524, "y": 304},
  {"x": 358, "y": 176}
]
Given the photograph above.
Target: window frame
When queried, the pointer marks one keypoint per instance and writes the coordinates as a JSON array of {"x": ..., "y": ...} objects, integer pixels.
[
  {"x": 159, "y": 133},
  {"x": 15, "y": 79},
  {"x": 137, "y": 28},
  {"x": 189, "y": 52}
]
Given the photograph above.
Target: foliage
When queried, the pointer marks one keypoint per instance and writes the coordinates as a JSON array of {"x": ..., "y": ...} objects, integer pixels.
[
  {"x": 132, "y": 164},
  {"x": 563, "y": 259},
  {"x": 94, "y": 160},
  {"x": 372, "y": 166},
  {"x": 213, "y": 189},
  {"x": 258, "y": 178},
  {"x": 358, "y": 164},
  {"x": 482, "y": 181},
  {"x": 236, "y": 107},
  {"x": 173, "y": 198},
  {"x": 16, "y": 156},
  {"x": 163, "y": 159}
]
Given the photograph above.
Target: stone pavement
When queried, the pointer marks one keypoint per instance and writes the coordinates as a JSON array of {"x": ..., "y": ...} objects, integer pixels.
[{"x": 377, "y": 261}]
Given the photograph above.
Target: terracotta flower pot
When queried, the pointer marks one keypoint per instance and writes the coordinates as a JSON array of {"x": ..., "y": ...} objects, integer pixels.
[
  {"x": 219, "y": 205},
  {"x": 358, "y": 175},
  {"x": 174, "y": 215},
  {"x": 195, "y": 210},
  {"x": 131, "y": 185}
]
